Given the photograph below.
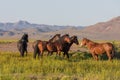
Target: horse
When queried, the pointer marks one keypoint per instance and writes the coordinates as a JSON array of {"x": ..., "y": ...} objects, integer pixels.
[
  {"x": 66, "y": 48},
  {"x": 99, "y": 48},
  {"x": 22, "y": 45},
  {"x": 58, "y": 45},
  {"x": 43, "y": 45}
]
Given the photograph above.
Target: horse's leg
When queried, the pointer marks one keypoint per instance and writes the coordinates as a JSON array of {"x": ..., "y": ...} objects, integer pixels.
[
  {"x": 41, "y": 53},
  {"x": 26, "y": 51},
  {"x": 22, "y": 52},
  {"x": 49, "y": 53},
  {"x": 95, "y": 56},
  {"x": 34, "y": 54},
  {"x": 113, "y": 53},
  {"x": 66, "y": 53},
  {"x": 38, "y": 55},
  {"x": 109, "y": 55},
  {"x": 58, "y": 53}
]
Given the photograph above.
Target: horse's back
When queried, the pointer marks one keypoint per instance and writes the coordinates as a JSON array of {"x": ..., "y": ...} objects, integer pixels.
[
  {"x": 35, "y": 43},
  {"x": 108, "y": 46},
  {"x": 42, "y": 45}
]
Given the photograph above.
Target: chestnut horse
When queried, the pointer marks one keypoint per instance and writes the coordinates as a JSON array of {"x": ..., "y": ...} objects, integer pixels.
[
  {"x": 99, "y": 48},
  {"x": 43, "y": 45},
  {"x": 59, "y": 45},
  {"x": 66, "y": 48}
]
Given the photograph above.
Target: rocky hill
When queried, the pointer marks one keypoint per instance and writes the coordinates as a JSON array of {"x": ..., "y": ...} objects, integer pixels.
[
  {"x": 17, "y": 29},
  {"x": 108, "y": 30},
  {"x": 104, "y": 30}
]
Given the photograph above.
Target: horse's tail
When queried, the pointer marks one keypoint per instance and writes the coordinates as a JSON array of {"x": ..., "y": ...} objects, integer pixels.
[
  {"x": 113, "y": 52},
  {"x": 18, "y": 45},
  {"x": 36, "y": 49}
]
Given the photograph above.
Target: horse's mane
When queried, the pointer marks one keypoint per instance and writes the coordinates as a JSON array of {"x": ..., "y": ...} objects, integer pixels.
[
  {"x": 65, "y": 35},
  {"x": 90, "y": 41},
  {"x": 62, "y": 37},
  {"x": 54, "y": 37},
  {"x": 73, "y": 37}
]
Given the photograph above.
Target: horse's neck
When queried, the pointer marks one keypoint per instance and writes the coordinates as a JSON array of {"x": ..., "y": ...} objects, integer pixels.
[
  {"x": 23, "y": 39},
  {"x": 70, "y": 44},
  {"x": 91, "y": 44},
  {"x": 52, "y": 39},
  {"x": 61, "y": 41}
]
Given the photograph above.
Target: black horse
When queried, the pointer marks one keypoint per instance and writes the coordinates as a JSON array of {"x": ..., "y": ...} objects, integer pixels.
[
  {"x": 67, "y": 46},
  {"x": 22, "y": 45}
]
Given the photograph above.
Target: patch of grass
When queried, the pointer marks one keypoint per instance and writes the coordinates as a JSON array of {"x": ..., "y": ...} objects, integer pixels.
[{"x": 80, "y": 66}]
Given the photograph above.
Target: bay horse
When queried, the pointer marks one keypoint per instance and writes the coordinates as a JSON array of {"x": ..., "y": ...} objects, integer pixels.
[
  {"x": 58, "y": 45},
  {"x": 67, "y": 46},
  {"x": 99, "y": 48},
  {"x": 43, "y": 45},
  {"x": 22, "y": 45}
]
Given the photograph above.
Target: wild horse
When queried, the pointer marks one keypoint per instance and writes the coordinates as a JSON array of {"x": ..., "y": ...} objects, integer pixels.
[
  {"x": 99, "y": 48},
  {"x": 67, "y": 46},
  {"x": 59, "y": 45},
  {"x": 22, "y": 45},
  {"x": 43, "y": 45}
]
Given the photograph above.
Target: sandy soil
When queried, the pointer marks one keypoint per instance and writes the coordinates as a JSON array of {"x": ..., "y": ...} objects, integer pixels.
[{"x": 12, "y": 47}]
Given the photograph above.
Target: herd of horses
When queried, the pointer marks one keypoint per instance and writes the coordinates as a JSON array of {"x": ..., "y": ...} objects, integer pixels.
[{"x": 63, "y": 43}]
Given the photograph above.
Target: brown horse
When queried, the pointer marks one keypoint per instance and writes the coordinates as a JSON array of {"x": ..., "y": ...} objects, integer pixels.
[
  {"x": 99, "y": 48},
  {"x": 43, "y": 45},
  {"x": 58, "y": 45},
  {"x": 66, "y": 48}
]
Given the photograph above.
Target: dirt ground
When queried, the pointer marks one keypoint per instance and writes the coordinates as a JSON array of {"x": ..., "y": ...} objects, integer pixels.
[{"x": 12, "y": 47}]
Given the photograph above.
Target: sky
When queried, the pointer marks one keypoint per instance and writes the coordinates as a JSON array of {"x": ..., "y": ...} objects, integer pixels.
[{"x": 59, "y": 12}]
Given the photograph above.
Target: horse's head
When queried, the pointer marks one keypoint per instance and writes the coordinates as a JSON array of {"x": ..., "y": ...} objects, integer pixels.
[
  {"x": 25, "y": 37},
  {"x": 66, "y": 38},
  {"x": 74, "y": 39},
  {"x": 84, "y": 42}
]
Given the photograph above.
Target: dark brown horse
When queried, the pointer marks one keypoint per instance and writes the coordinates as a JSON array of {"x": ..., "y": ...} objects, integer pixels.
[
  {"x": 67, "y": 46},
  {"x": 58, "y": 45},
  {"x": 43, "y": 45},
  {"x": 99, "y": 48},
  {"x": 22, "y": 45}
]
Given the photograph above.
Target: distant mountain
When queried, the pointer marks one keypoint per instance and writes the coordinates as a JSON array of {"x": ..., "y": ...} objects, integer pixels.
[
  {"x": 24, "y": 24},
  {"x": 111, "y": 26},
  {"x": 109, "y": 30},
  {"x": 104, "y": 30},
  {"x": 20, "y": 27}
]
